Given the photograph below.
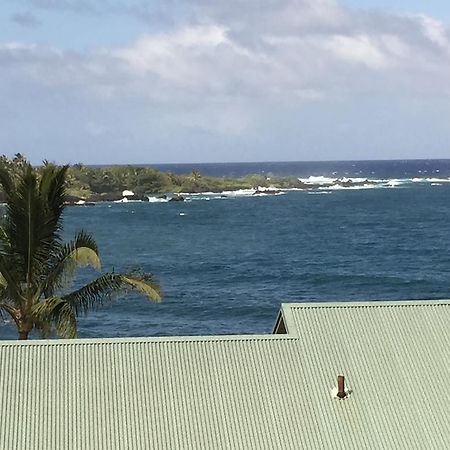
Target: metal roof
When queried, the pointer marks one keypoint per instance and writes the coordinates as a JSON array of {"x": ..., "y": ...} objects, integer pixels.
[
  {"x": 396, "y": 359},
  {"x": 240, "y": 392}
]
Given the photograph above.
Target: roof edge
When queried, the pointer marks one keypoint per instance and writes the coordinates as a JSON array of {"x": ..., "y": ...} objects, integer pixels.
[
  {"x": 144, "y": 340},
  {"x": 365, "y": 304}
]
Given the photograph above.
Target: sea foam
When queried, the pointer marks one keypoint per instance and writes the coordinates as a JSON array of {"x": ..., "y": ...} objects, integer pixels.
[{"x": 157, "y": 200}]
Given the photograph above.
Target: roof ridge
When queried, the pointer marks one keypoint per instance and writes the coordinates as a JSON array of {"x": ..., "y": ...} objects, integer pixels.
[
  {"x": 148, "y": 340},
  {"x": 368, "y": 304}
]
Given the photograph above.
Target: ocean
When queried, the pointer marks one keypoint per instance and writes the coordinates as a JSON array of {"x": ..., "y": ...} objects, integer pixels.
[
  {"x": 395, "y": 169},
  {"x": 226, "y": 262}
]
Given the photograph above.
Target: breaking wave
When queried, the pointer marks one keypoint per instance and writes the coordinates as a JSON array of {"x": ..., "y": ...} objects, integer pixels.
[
  {"x": 158, "y": 200},
  {"x": 310, "y": 185}
]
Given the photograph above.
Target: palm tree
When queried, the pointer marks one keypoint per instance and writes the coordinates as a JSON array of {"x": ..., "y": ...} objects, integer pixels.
[
  {"x": 196, "y": 175},
  {"x": 36, "y": 266}
]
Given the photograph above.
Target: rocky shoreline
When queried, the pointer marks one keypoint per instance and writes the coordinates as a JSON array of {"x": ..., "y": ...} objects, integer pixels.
[{"x": 130, "y": 196}]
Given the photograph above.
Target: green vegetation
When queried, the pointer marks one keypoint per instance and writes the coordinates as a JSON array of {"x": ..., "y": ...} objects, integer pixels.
[
  {"x": 108, "y": 183},
  {"x": 93, "y": 183},
  {"x": 36, "y": 267}
]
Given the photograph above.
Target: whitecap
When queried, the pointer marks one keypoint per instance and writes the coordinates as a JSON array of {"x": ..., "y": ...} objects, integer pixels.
[
  {"x": 352, "y": 180},
  {"x": 438, "y": 180},
  {"x": 264, "y": 194},
  {"x": 431, "y": 180},
  {"x": 338, "y": 187},
  {"x": 317, "y": 180},
  {"x": 196, "y": 194},
  {"x": 270, "y": 188},
  {"x": 157, "y": 200},
  {"x": 395, "y": 183},
  {"x": 239, "y": 193},
  {"x": 127, "y": 200}
]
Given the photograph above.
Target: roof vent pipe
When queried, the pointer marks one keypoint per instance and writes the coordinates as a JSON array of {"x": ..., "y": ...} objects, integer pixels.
[
  {"x": 342, "y": 391},
  {"x": 341, "y": 387}
]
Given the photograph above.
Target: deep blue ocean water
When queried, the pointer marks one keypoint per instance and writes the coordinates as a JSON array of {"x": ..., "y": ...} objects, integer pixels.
[
  {"x": 370, "y": 169},
  {"x": 226, "y": 264}
]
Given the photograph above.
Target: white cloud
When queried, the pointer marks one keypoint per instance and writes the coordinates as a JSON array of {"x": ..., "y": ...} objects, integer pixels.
[
  {"x": 435, "y": 31},
  {"x": 175, "y": 57},
  {"x": 234, "y": 58},
  {"x": 358, "y": 49},
  {"x": 230, "y": 63}
]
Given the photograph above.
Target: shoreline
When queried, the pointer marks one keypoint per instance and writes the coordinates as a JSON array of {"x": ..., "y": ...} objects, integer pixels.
[
  {"x": 322, "y": 186},
  {"x": 87, "y": 185}
]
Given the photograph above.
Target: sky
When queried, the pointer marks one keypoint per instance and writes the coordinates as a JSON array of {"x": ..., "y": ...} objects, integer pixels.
[{"x": 173, "y": 81}]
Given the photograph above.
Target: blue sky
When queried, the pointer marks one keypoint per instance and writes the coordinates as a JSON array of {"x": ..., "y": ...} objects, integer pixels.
[
  {"x": 437, "y": 8},
  {"x": 133, "y": 81}
]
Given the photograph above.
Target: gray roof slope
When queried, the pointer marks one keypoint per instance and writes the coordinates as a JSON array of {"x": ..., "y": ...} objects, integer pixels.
[{"x": 239, "y": 392}]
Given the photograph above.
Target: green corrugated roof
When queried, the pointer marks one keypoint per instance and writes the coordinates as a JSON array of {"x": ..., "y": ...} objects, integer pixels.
[
  {"x": 396, "y": 358},
  {"x": 240, "y": 392}
]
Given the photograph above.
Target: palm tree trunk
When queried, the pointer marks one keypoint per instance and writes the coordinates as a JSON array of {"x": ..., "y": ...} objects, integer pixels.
[
  {"x": 24, "y": 329},
  {"x": 23, "y": 335}
]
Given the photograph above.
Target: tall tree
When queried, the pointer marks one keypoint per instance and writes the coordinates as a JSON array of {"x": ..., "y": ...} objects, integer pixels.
[{"x": 36, "y": 266}]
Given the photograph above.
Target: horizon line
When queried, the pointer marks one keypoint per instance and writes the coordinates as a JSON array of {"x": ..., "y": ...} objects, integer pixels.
[{"x": 264, "y": 162}]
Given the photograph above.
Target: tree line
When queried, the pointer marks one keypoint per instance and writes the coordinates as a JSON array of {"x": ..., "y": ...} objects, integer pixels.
[{"x": 108, "y": 183}]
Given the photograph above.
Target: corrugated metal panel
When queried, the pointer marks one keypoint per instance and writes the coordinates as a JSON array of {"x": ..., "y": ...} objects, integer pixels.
[
  {"x": 396, "y": 358},
  {"x": 199, "y": 394},
  {"x": 259, "y": 392}
]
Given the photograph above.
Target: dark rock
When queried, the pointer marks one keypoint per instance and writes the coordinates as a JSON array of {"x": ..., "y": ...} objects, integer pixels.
[
  {"x": 136, "y": 197},
  {"x": 177, "y": 198},
  {"x": 266, "y": 192}
]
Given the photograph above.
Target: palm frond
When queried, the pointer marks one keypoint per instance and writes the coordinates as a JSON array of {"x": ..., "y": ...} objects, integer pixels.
[
  {"x": 147, "y": 286},
  {"x": 4, "y": 240},
  {"x": 105, "y": 287},
  {"x": 3, "y": 282},
  {"x": 24, "y": 220},
  {"x": 6, "y": 181},
  {"x": 9, "y": 281},
  {"x": 52, "y": 188},
  {"x": 80, "y": 252},
  {"x": 33, "y": 218},
  {"x": 6, "y": 308},
  {"x": 58, "y": 312}
]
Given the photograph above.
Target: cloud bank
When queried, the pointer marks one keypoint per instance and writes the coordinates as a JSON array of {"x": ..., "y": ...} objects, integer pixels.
[{"x": 229, "y": 72}]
